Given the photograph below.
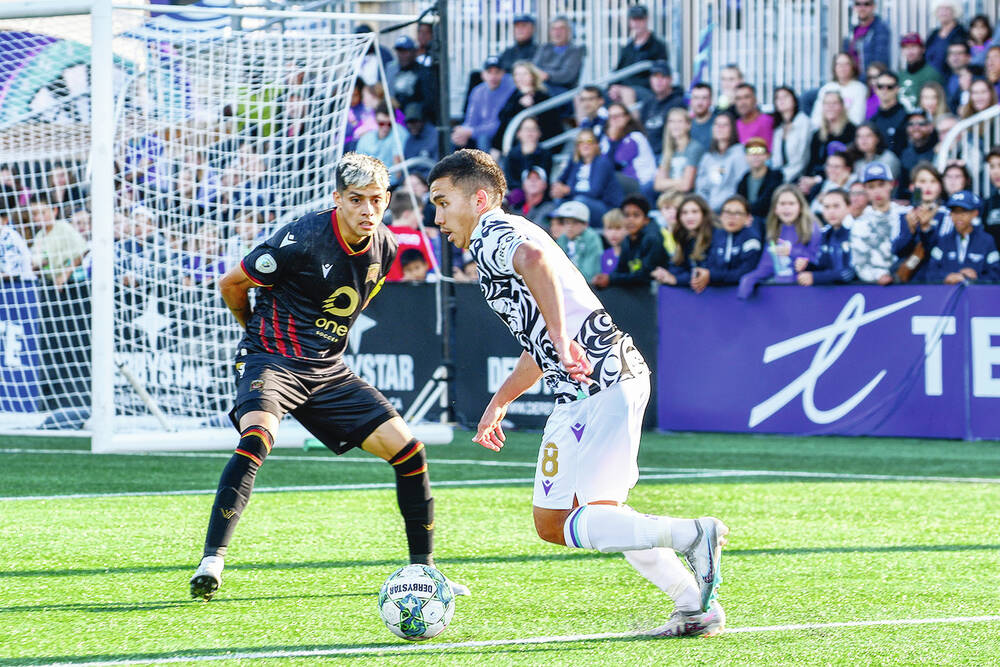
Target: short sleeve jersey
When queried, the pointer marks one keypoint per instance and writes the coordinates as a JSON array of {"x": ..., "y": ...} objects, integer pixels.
[
  {"x": 313, "y": 286},
  {"x": 611, "y": 351}
]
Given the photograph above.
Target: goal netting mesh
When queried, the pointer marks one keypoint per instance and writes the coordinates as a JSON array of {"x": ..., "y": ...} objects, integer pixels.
[{"x": 220, "y": 136}]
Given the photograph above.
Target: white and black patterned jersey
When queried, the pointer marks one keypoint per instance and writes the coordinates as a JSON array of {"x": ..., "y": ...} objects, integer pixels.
[{"x": 611, "y": 351}]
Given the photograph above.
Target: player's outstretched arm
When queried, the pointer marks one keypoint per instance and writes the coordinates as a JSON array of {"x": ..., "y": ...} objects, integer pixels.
[
  {"x": 524, "y": 376},
  {"x": 532, "y": 265},
  {"x": 235, "y": 287}
]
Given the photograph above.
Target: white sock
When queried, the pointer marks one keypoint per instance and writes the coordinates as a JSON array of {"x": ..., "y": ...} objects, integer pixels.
[
  {"x": 664, "y": 570},
  {"x": 609, "y": 528}
]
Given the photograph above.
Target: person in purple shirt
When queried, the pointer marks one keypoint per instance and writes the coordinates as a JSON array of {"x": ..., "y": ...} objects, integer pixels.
[
  {"x": 751, "y": 122},
  {"x": 482, "y": 116},
  {"x": 792, "y": 232},
  {"x": 869, "y": 39}
]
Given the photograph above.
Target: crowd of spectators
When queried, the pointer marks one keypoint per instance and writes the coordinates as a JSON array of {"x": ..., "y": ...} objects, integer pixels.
[
  {"x": 713, "y": 186},
  {"x": 693, "y": 187}
]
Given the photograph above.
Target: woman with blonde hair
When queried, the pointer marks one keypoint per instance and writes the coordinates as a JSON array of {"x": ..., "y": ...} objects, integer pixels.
[
  {"x": 845, "y": 81},
  {"x": 982, "y": 96},
  {"x": 792, "y": 240},
  {"x": 529, "y": 90},
  {"x": 835, "y": 127},
  {"x": 681, "y": 153}
]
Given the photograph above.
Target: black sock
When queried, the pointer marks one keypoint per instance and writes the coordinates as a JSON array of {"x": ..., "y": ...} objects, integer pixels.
[
  {"x": 413, "y": 494},
  {"x": 235, "y": 487}
]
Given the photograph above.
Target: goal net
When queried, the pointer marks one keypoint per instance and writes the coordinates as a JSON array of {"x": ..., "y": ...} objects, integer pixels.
[{"x": 222, "y": 131}]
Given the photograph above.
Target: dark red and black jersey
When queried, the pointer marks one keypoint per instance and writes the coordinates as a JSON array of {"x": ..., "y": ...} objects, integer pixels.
[{"x": 313, "y": 286}]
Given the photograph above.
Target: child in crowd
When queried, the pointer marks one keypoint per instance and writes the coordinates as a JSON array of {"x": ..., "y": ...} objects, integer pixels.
[
  {"x": 667, "y": 205},
  {"x": 833, "y": 265},
  {"x": 792, "y": 232},
  {"x": 967, "y": 253},
  {"x": 614, "y": 234},
  {"x": 736, "y": 248},
  {"x": 692, "y": 238}
]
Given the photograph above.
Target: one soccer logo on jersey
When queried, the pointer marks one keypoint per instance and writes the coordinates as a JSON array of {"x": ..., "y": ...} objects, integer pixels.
[{"x": 265, "y": 264}]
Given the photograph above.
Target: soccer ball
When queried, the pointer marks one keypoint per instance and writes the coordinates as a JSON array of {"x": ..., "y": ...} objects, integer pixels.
[{"x": 416, "y": 602}]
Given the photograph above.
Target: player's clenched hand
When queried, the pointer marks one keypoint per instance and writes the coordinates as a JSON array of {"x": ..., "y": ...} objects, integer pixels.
[
  {"x": 490, "y": 433},
  {"x": 574, "y": 360}
]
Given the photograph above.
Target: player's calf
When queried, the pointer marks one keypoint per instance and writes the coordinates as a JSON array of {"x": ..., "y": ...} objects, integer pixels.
[{"x": 413, "y": 495}]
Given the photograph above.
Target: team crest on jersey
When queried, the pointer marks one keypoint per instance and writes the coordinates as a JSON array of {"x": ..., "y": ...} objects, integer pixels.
[
  {"x": 372, "y": 276},
  {"x": 240, "y": 367},
  {"x": 265, "y": 264}
]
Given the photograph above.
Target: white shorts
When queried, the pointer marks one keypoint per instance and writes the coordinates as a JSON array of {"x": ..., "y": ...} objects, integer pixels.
[{"x": 589, "y": 447}]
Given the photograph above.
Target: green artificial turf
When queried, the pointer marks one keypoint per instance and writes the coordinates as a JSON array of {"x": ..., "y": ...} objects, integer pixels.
[{"x": 104, "y": 578}]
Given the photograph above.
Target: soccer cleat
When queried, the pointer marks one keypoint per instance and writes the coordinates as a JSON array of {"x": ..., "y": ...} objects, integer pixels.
[
  {"x": 207, "y": 578},
  {"x": 458, "y": 589},
  {"x": 703, "y": 556},
  {"x": 693, "y": 623}
]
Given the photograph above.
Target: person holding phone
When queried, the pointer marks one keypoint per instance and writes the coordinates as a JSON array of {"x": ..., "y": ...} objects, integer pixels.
[{"x": 920, "y": 225}]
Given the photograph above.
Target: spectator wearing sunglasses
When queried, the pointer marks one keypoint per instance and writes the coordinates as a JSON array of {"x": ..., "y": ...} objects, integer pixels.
[
  {"x": 869, "y": 39},
  {"x": 922, "y": 140},
  {"x": 890, "y": 118}
]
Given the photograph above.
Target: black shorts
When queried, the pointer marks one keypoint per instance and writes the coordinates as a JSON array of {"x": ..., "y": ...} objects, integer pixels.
[{"x": 330, "y": 401}]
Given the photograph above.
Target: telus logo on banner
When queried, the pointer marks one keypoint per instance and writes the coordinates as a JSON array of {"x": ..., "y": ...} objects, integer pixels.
[{"x": 832, "y": 340}]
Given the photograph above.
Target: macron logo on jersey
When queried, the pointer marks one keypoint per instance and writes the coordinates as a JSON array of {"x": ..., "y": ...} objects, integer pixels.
[
  {"x": 288, "y": 240},
  {"x": 326, "y": 269}
]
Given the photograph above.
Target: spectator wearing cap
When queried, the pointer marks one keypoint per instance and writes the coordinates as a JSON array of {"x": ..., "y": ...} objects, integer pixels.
[
  {"x": 559, "y": 59},
  {"x": 916, "y": 71},
  {"x": 760, "y": 181},
  {"x": 529, "y": 91},
  {"x": 421, "y": 137},
  {"x": 835, "y": 129},
  {"x": 589, "y": 177},
  {"x": 750, "y": 122},
  {"x": 846, "y": 82},
  {"x": 409, "y": 81},
  {"x": 967, "y": 253},
  {"x": 792, "y": 133},
  {"x": 869, "y": 39},
  {"x": 581, "y": 244},
  {"x": 653, "y": 111},
  {"x": 642, "y": 45},
  {"x": 922, "y": 141},
  {"x": 524, "y": 46},
  {"x": 874, "y": 231},
  {"x": 949, "y": 31},
  {"x": 526, "y": 152},
  {"x": 532, "y": 198},
  {"x": 482, "y": 115},
  {"x": 642, "y": 249},
  {"x": 890, "y": 119}
]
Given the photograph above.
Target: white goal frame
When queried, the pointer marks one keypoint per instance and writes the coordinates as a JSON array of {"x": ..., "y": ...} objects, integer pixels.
[{"x": 101, "y": 431}]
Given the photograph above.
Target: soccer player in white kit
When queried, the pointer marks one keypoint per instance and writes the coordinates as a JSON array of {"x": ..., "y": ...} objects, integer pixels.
[{"x": 587, "y": 459}]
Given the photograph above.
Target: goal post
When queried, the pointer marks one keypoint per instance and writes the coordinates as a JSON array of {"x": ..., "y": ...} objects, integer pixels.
[{"x": 188, "y": 146}]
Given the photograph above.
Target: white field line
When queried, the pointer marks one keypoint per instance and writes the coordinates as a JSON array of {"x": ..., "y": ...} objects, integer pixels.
[
  {"x": 653, "y": 473},
  {"x": 558, "y": 639}
]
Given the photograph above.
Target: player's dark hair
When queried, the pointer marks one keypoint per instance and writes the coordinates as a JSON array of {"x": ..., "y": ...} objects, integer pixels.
[
  {"x": 471, "y": 170},
  {"x": 638, "y": 201},
  {"x": 411, "y": 255},
  {"x": 360, "y": 170}
]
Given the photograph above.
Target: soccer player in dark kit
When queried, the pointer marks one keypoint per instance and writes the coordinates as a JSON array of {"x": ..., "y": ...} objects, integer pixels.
[{"x": 314, "y": 276}]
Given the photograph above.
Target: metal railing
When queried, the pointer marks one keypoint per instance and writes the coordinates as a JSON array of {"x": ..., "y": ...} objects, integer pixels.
[
  {"x": 561, "y": 99},
  {"x": 968, "y": 142}
]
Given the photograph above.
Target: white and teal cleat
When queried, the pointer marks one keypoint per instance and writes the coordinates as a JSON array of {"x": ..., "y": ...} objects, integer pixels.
[
  {"x": 207, "y": 578},
  {"x": 693, "y": 623},
  {"x": 459, "y": 590},
  {"x": 703, "y": 555}
]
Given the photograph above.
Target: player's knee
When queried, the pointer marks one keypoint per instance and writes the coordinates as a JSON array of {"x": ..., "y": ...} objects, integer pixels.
[
  {"x": 410, "y": 461},
  {"x": 255, "y": 444},
  {"x": 549, "y": 526}
]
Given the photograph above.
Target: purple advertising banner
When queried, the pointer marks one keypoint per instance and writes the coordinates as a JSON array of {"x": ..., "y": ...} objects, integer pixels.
[{"x": 920, "y": 361}]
